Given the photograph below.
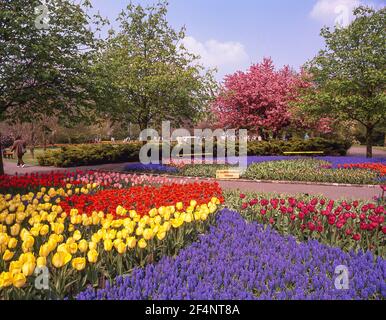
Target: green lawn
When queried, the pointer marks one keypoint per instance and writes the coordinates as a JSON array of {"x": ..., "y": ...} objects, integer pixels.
[{"x": 28, "y": 157}]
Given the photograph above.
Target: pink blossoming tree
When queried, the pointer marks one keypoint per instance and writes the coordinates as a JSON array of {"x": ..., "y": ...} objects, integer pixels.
[{"x": 258, "y": 99}]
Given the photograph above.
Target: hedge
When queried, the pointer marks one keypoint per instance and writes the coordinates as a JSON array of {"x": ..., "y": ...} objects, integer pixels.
[
  {"x": 90, "y": 154},
  {"x": 93, "y": 154}
]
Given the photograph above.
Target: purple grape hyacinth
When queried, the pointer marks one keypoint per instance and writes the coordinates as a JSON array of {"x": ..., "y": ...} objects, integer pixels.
[
  {"x": 237, "y": 260},
  {"x": 156, "y": 168}
]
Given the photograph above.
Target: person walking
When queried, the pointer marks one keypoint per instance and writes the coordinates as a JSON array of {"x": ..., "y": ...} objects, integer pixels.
[{"x": 19, "y": 148}]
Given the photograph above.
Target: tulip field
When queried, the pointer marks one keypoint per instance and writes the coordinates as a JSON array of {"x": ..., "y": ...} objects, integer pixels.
[{"x": 100, "y": 235}]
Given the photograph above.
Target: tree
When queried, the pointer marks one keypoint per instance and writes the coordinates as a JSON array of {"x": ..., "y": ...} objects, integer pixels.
[
  {"x": 144, "y": 75},
  {"x": 258, "y": 99},
  {"x": 43, "y": 68},
  {"x": 349, "y": 75}
]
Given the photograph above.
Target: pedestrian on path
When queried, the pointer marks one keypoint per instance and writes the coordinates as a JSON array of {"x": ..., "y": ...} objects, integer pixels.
[{"x": 19, "y": 148}]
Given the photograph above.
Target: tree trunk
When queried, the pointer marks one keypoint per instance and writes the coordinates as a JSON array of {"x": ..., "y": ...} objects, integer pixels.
[
  {"x": 369, "y": 142},
  {"x": 1, "y": 159}
]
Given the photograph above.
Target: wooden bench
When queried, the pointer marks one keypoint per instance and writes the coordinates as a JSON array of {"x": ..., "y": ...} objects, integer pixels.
[
  {"x": 303, "y": 152},
  {"x": 7, "y": 154}
]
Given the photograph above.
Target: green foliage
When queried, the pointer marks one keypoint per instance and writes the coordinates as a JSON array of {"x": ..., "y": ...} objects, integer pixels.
[
  {"x": 43, "y": 70},
  {"x": 309, "y": 170},
  {"x": 143, "y": 75},
  {"x": 278, "y": 147},
  {"x": 90, "y": 154},
  {"x": 350, "y": 73}
]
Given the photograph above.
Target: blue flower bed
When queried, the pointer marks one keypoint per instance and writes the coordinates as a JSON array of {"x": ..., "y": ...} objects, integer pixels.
[
  {"x": 240, "y": 260},
  {"x": 151, "y": 168},
  {"x": 335, "y": 161}
]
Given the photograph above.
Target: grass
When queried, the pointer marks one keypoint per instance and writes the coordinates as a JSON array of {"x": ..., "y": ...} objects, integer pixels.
[{"x": 28, "y": 157}]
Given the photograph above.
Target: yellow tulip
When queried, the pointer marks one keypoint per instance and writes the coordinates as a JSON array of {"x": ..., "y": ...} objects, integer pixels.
[
  {"x": 44, "y": 230},
  {"x": 71, "y": 228},
  {"x": 139, "y": 231},
  {"x": 52, "y": 243},
  {"x": 108, "y": 245},
  {"x": 95, "y": 238},
  {"x": 44, "y": 250},
  {"x": 6, "y": 279},
  {"x": 189, "y": 217},
  {"x": 83, "y": 246},
  {"x": 12, "y": 243},
  {"x": 41, "y": 262},
  {"x": 62, "y": 248},
  {"x": 60, "y": 259},
  {"x": 77, "y": 235},
  {"x": 15, "y": 267},
  {"x": 148, "y": 234},
  {"x": 121, "y": 248},
  {"x": 92, "y": 256},
  {"x": 28, "y": 268},
  {"x": 4, "y": 238},
  {"x": 142, "y": 243},
  {"x": 204, "y": 216},
  {"x": 15, "y": 229},
  {"x": 161, "y": 235},
  {"x": 133, "y": 214},
  {"x": 179, "y": 206},
  {"x": 72, "y": 248},
  {"x": 78, "y": 263},
  {"x": 92, "y": 245},
  {"x": 153, "y": 212},
  {"x": 8, "y": 255},
  {"x": 131, "y": 242},
  {"x": 19, "y": 280},
  {"x": 20, "y": 216},
  {"x": 95, "y": 220},
  {"x": 58, "y": 228},
  {"x": 193, "y": 203},
  {"x": 10, "y": 219}
]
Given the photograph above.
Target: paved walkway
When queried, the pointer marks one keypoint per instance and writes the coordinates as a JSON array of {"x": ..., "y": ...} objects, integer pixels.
[
  {"x": 330, "y": 191},
  {"x": 361, "y": 151}
]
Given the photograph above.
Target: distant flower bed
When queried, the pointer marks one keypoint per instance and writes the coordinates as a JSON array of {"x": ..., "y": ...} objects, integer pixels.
[
  {"x": 351, "y": 170},
  {"x": 260, "y": 264},
  {"x": 156, "y": 168}
]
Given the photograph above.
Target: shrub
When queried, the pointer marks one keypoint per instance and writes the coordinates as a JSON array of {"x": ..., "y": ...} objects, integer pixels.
[
  {"x": 277, "y": 147},
  {"x": 92, "y": 154}
]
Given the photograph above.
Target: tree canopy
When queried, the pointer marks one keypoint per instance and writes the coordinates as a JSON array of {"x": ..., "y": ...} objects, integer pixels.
[
  {"x": 144, "y": 75},
  {"x": 259, "y": 99},
  {"x": 349, "y": 75},
  {"x": 44, "y": 57}
]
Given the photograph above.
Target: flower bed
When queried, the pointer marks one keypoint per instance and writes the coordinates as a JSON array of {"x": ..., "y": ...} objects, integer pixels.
[
  {"x": 260, "y": 264},
  {"x": 141, "y": 198},
  {"x": 308, "y": 170},
  {"x": 126, "y": 228},
  {"x": 299, "y": 169},
  {"x": 349, "y": 225},
  {"x": 152, "y": 168},
  {"x": 35, "y": 181}
]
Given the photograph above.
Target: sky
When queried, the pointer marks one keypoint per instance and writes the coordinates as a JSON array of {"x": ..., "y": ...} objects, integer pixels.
[{"x": 231, "y": 35}]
